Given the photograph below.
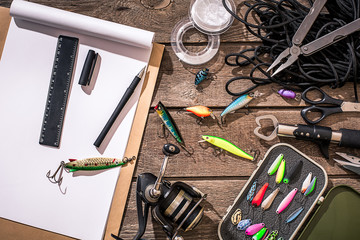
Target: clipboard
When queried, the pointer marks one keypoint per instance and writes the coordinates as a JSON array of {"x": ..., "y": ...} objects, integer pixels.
[{"x": 13, "y": 230}]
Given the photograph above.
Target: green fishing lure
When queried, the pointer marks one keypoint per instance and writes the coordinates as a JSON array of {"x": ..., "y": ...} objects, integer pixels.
[
  {"x": 97, "y": 163},
  {"x": 227, "y": 146},
  {"x": 168, "y": 122}
]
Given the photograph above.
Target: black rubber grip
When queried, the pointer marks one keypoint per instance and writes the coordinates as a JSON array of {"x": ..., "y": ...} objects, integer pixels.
[
  {"x": 313, "y": 133},
  {"x": 350, "y": 138}
]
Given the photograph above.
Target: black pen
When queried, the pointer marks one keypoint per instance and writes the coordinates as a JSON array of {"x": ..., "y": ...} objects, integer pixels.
[{"x": 119, "y": 107}]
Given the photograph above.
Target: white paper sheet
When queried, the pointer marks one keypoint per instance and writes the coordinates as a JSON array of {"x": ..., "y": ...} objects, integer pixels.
[{"x": 27, "y": 196}]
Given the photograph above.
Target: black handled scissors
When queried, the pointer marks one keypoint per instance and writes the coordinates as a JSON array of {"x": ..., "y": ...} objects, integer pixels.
[{"x": 338, "y": 106}]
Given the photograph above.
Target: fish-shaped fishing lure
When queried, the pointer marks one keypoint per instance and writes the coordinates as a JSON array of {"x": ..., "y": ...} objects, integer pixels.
[
  {"x": 96, "y": 163},
  {"x": 280, "y": 172},
  {"x": 201, "y": 75},
  {"x": 306, "y": 182},
  {"x": 226, "y": 145},
  {"x": 290, "y": 175},
  {"x": 286, "y": 201},
  {"x": 285, "y": 93},
  {"x": 259, "y": 196},
  {"x": 275, "y": 165},
  {"x": 294, "y": 215},
  {"x": 201, "y": 111},
  {"x": 168, "y": 121},
  {"x": 253, "y": 229},
  {"x": 260, "y": 234},
  {"x": 266, "y": 204},
  {"x": 272, "y": 235},
  {"x": 311, "y": 187},
  {"x": 244, "y": 224},
  {"x": 250, "y": 195},
  {"x": 240, "y": 102}
]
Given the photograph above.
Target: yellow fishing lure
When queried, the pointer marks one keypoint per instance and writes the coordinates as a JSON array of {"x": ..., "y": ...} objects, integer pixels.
[{"x": 226, "y": 145}]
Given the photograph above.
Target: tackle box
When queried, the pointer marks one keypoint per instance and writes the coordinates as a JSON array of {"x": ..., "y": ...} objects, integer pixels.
[{"x": 273, "y": 221}]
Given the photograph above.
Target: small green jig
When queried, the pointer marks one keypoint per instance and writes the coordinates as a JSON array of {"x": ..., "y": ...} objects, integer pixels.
[
  {"x": 280, "y": 172},
  {"x": 227, "y": 146},
  {"x": 275, "y": 165}
]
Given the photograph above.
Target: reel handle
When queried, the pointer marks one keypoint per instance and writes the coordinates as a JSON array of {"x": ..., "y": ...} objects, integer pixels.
[{"x": 168, "y": 150}]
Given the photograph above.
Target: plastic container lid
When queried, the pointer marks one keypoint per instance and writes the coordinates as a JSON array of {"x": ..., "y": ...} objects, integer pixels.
[{"x": 209, "y": 17}]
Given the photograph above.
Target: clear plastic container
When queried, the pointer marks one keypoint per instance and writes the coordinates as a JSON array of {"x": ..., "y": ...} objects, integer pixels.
[{"x": 209, "y": 17}]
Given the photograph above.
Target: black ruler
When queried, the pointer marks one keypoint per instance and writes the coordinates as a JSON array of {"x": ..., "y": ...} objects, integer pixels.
[{"x": 58, "y": 93}]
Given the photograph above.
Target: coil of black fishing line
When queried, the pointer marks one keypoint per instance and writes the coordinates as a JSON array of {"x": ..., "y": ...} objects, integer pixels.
[{"x": 275, "y": 24}]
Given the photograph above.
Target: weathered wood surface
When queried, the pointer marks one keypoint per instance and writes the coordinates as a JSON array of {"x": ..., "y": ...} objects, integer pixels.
[{"x": 220, "y": 177}]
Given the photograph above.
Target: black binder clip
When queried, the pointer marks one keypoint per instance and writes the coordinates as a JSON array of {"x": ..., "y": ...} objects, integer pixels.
[{"x": 88, "y": 69}]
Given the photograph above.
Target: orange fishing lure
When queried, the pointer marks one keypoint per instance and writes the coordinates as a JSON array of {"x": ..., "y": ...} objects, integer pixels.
[{"x": 201, "y": 111}]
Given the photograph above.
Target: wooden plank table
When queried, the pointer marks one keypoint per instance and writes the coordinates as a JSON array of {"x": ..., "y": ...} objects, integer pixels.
[{"x": 220, "y": 177}]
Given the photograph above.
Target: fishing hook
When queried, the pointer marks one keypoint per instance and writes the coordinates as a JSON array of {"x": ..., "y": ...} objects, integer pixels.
[{"x": 164, "y": 133}]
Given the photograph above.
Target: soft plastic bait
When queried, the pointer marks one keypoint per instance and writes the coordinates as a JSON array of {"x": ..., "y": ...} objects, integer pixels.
[
  {"x": 275, "y": 165},
  {"x": 96, "y": 163},
  {"x": 286, "y": 201},
  {"x": 244, "y": 224},
  {"x": 259, "y": 196},
  {"x": 306, "y": 182},
  {"x": 280, "y": 172},
  {"x": 260, "y": 234},
  {"x": 240, "y": 102},
  {"x": 266, "y": 204},
  {"x": 293, "y": 171},
  {"x": 201, "y": 75},
  {"x": 294, "y": 215},
  {"x": 272, "y": 235},
  {"x": 253, "y": 229},
  {"x": 250, "y": 195},
  {"x": 168, "y": 122},
  {"x": 310, "y": 187},
  {"x": 227, "y": 146},
  {"x": 201, "y": 111}
]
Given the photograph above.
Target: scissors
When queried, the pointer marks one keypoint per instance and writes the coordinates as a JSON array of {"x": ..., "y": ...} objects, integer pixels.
[
  {"x": 291, "y": 54},
  {"x": 338, "y": 106},
  {"x": 352, "y": 163}
]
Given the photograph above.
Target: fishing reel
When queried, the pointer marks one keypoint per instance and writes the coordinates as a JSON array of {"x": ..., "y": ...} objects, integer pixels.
[{"x": 174, "y": 206}]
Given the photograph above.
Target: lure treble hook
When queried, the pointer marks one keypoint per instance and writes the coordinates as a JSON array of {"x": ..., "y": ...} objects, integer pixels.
[{"x": 56, "y": 178}]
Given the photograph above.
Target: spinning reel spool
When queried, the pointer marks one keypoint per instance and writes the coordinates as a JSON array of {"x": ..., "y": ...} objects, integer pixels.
[{"x": 175, "y": 206}]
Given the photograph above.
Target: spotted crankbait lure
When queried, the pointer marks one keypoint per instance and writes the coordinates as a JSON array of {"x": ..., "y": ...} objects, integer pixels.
[
  {"x": 168, "y": 122},
  {"x": 293, "y": 171},
  {"x": 260, "y": 234},
  {"x": 272, "y": 235},
  {"x": 244, "y": 224},
  {"x": 259, "y": 196},
  {"x": 201, "y": 76},
  {"x": 266, "y": 204},
  {"x": 227, "y": 146},
  {"x": 275, "y": 165},
  {"x": 253, "y": 229},
  {"x": 238, "y": 103},
  {"x": 97, "y": 163},
  {"x": 250, "y": 195},
  {"x": 280, "y": 172},
  {"x": 286, "y": 201},
  {"x": 294, "y": 215},
  {"x": 306, "y": 182},
  {"x": 236, "y": 217}
]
